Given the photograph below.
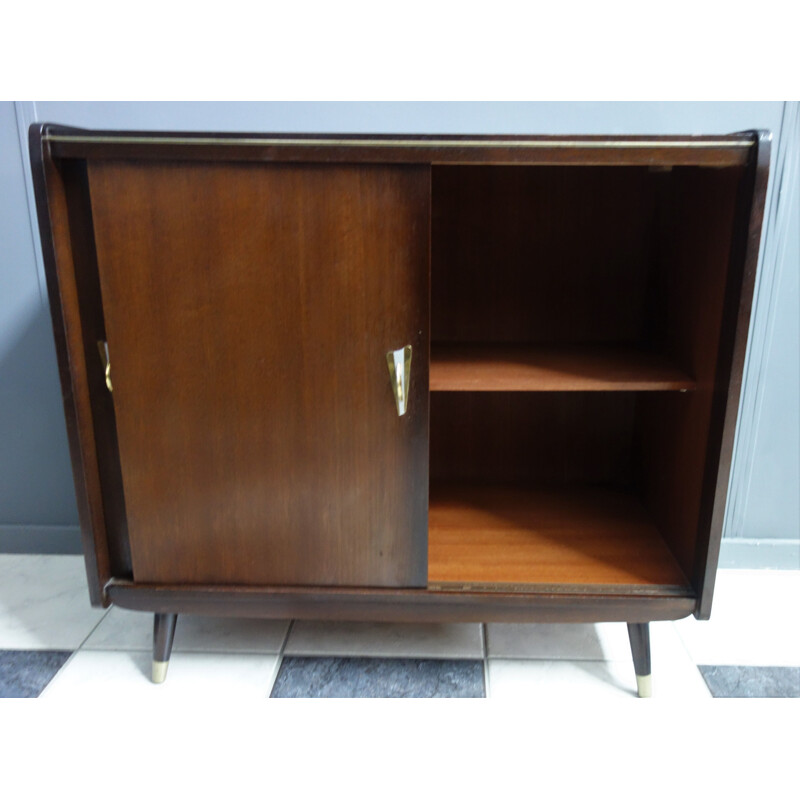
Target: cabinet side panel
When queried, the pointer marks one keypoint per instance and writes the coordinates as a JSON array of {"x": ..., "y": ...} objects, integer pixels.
[
  {"x": 87, "y": 285},
  {"x": 54, "y": 197},
  {"x": 695, "y": 287},
  {"x": 249, "y": 310},
  {"x": 733, "y": 348}
]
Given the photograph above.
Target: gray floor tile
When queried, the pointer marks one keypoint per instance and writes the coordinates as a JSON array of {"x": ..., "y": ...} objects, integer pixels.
[
  {"x": 379, "y": 677},
  {"x": 24, "y": 673},
  {"x": 742, "y": 681},
  {"x": 385, "y": 639}
]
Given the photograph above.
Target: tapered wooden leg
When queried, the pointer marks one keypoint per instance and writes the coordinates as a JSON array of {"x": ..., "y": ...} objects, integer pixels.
[
  {"x": 163, "y": 634},
  {"x": 639, "y": 634}
]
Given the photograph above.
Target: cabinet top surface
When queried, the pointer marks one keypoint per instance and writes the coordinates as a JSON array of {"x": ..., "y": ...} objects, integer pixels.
[{"x": 719, "y": 151}]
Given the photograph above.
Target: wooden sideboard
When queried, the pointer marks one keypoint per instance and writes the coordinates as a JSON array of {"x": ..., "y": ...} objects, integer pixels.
[{"x": 428, "y": 378}]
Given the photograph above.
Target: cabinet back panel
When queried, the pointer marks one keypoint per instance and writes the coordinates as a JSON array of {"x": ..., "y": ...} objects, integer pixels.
[
  {"x": 547, "y": 438},
  {"x": 249, "y": 310},
  {"x": 541, "y": 254}
]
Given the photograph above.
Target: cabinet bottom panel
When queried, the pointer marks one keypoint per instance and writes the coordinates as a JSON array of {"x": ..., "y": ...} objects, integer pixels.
[{"x": 581, "y": 539}]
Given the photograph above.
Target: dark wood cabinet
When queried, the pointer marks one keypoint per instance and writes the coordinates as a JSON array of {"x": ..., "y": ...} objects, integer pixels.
[{"x": 401, "y": 378}]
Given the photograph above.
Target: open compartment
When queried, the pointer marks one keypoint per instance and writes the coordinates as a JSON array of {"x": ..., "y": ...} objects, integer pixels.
[
  {"x": 576, "y": 314},
  {"x": 543, "y": 488}
]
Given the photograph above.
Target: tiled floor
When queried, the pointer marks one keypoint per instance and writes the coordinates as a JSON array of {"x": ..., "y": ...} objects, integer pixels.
[{"x": 54, "y": 645}]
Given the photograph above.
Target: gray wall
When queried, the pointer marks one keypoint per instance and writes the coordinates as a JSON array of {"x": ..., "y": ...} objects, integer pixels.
[
  {"x": 37, "y": 506},
  {"x": 37, "y": 502},
  {"x": 764, "y": 508}
]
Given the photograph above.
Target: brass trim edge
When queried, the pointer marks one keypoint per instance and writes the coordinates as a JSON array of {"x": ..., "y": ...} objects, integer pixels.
[
  {"x": 428, "y": 144},
  {"x": 565, "y": 589}
]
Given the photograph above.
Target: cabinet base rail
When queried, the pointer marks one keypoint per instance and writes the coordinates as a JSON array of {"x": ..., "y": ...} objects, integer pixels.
[{"x": 396, "y": 605}]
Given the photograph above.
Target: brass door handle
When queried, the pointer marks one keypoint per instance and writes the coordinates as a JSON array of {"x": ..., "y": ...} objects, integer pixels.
[
  {"x": 399, "y": 362},
  {"x": 103, "y": 348}
]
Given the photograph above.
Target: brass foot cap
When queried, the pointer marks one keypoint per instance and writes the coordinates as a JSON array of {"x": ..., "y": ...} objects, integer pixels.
[
  {"x": 160, "y": 671},
  {"x": 644, "y": 684}
]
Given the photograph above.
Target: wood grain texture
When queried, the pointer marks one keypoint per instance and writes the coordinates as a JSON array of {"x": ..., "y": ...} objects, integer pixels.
[
  {"x": 750, "y": 203},
  {"x": 248, "y": 312},
  {"x": 53, "y": 211},
  {"x": 87, "y": 283},
  {"x": 547, "y": 438},
  {"x": 397, "y": 605},
  {"x": 499, "y": 535},
  {"x": 518, "y": 368},
  {"x": 544, "y": 255},
  {"x": 689, "y": 299}
]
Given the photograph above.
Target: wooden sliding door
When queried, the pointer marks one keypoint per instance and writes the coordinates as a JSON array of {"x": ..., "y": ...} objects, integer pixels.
[{"x": 249, "y": 310}]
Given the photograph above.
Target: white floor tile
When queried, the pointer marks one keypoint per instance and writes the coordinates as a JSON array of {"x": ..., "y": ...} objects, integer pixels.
[
  {"x": 44, "y": 602},
  {"x": 517, "y": 679},
  {"x": 548, "y": 681},
  {"x": 675, "y": 676},
  {"x": 606, "y": 641},
  {"x": 205, "y": 677},
  {"x": 755, "y": 620},
  {"x": 133, "y": 630},
  {"x": 385, "y": 639}
]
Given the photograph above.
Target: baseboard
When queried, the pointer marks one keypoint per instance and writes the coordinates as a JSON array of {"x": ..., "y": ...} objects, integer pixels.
[
  {"x": 759, "y": 554},
  {"x": 41, "y": 539}
]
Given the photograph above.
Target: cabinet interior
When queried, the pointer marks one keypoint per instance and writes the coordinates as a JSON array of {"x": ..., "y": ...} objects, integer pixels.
[{"x": 575, "y": 325}]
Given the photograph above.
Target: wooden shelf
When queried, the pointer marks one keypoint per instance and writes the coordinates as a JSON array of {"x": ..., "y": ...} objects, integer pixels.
[
  {"x": 520, "y": 368},
  {"x": 589, "y": 539}
]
